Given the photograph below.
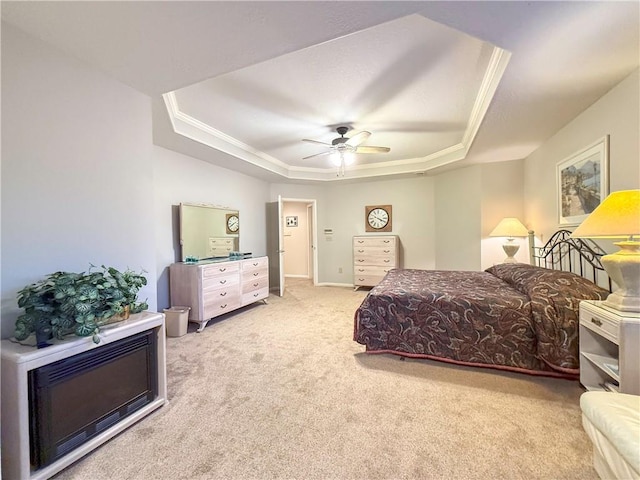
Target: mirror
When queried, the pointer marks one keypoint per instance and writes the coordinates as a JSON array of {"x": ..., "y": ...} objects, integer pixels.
[{"x": 207, "y": 231}]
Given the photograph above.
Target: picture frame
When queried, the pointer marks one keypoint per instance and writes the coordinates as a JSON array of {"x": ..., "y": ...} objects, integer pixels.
[
  {"x": 582, "y": 182},
  {"x": 291, "y": 221}
]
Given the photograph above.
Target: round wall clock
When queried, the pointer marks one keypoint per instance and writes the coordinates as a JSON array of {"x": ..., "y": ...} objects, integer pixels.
[
  {"x": 233, "y": 223},
  {"x": 378, "y": 218}
]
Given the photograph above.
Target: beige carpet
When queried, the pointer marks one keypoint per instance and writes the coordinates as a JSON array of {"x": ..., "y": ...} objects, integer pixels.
[{"x": 282, "y": 391}]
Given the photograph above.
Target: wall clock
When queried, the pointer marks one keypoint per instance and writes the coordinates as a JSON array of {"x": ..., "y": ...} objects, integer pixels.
[
  {"x": 233, "y": 223},
  {"x": 377, "y": 218}
]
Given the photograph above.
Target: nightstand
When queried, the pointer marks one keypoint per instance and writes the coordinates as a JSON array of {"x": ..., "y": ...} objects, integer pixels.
[{"x": 609, "y": 348}]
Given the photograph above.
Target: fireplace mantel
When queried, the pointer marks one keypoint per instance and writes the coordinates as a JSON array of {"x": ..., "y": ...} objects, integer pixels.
[{"x": 18, "y": 360}]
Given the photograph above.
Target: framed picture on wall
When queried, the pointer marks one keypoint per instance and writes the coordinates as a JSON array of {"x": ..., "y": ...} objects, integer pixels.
[
  {"x": 582, "y": 182},
  {"x": 291, "y": 221}
]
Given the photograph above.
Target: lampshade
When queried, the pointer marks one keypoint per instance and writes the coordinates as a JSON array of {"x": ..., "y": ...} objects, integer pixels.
[
  {"x": 618, "y": 216},
  {"x": 509, "y": 227}
]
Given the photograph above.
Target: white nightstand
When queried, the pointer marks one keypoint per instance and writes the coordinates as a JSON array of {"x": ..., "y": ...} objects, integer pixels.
[{"x": 609, "y": 348}]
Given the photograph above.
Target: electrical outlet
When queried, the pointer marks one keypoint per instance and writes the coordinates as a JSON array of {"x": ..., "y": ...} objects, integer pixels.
[{"x": 339, "y": 269}]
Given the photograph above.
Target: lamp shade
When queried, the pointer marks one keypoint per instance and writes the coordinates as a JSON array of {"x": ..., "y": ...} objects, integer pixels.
[
  {"x": 509, "y": 227},
  {"x": 618, "y": 216}
]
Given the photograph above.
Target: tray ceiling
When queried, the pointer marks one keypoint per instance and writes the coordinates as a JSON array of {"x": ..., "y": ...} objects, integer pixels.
[{"x": 443, "y": 84}]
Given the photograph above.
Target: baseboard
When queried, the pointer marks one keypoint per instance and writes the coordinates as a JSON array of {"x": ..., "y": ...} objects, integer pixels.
[
  {"x": 332, "y": 284},
  {"x": 298, "y": 276}
]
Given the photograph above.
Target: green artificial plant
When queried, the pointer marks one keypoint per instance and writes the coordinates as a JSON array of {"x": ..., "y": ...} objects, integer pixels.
[{"x": 78, "y": 303}]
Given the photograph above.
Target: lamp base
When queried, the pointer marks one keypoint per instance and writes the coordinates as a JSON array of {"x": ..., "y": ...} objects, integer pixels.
[
  {"x": 510, "y": 249},
  {"x": 623, "y": 268}
]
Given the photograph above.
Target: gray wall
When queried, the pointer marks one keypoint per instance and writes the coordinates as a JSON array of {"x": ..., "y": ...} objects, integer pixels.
[
  {"x": 615, "y": 114},
  {"x": 82, "y": 182},
  {"x": 77, "y": 175}
]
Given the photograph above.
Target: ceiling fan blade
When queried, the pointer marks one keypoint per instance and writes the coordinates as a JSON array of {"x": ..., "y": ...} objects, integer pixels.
[
  {"x": 373, "y": 149},
  {"x": 358, "y": 138},
  {"x": 318, "y": 155},
  {"x": 316, "y": 141}
]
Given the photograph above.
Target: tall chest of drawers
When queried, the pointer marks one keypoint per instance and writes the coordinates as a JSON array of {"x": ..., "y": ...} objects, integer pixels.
[
  {"x": 212, "y": 289},
  {"x": 373, "y": 257}
]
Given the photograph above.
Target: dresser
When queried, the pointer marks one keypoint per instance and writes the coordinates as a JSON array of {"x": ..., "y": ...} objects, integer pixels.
[
  {"x": 221, "y": 246},
  {"x": 609, "y": 342},
  {"x": 373, "y": 257},
  {"x": 215, "y": 287}
]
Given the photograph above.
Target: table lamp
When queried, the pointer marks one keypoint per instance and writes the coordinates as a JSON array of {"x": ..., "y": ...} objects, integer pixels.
[
  {"x": 618, "y": 216},
  {"x": 510, "y": 228}
]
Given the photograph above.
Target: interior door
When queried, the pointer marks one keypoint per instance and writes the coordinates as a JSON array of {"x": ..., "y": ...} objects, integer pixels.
[{"x": 275, "y": 249}]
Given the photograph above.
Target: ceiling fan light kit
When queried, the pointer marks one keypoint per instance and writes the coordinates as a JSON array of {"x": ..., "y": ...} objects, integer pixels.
[{"x": 342, "y": 150}]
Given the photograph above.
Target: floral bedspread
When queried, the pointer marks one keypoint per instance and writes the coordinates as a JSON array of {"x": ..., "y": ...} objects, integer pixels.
[{"x": 511, "y": 316}]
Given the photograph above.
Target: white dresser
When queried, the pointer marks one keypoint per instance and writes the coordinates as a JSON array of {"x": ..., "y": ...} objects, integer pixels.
[
  {"x": 213, "y": 288},
  {"x": 373, "y": 257}
]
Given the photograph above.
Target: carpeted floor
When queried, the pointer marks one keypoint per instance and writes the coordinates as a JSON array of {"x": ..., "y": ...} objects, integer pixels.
[{"x": 281, "y": 391}]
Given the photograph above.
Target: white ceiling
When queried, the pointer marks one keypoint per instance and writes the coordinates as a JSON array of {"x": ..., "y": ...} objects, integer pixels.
[{"x": 443, "y": 84}]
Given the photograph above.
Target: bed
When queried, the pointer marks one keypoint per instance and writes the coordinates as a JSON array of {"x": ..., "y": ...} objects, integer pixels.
[{"x": 516, "y": 317}]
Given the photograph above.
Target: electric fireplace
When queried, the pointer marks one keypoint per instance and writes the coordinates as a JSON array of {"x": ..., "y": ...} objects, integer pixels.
[
  {"x": 61, "y": 402},
  {"x": 73, "y": 400}
]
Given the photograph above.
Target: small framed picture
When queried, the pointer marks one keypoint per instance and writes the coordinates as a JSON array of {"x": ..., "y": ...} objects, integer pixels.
[
  {"x": 291, "y": 221},
  {"x": 582, "y": 182}
]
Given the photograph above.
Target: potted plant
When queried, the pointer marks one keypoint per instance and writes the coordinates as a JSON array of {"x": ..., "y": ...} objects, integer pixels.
[{"x": 65, "y": 303}]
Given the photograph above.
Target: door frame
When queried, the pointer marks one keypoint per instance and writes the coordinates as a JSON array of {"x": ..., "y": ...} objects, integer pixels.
[{"x": 313, "y": 260}]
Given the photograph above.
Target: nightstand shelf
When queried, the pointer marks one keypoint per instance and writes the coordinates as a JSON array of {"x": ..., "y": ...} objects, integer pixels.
[{"x": 609, "y": 345}]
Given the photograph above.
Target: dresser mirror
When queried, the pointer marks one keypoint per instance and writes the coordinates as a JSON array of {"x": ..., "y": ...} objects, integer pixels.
[{"x": 207, "y": 231}]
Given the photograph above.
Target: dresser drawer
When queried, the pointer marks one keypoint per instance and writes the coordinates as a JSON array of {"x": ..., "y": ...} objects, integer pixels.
[
  {"x": 225, "y": 268},
  {"x": 598, "y": 322},
  {"x": 219, "y": 281},
  {"x": 367, "y": 280},
  {"x": 374, "y": 242},
  {"x": 371, "y": 270},
  {"x": 380, "y": 251},
  {"x": 220, "y": 307},
  {"x": 254, "y": 296},
  {"x": 255, "y": 264},
  {"x": 249, "y": 275},
  {"x": 363, "y": 259},
  {"x": 255, "y": 284}
]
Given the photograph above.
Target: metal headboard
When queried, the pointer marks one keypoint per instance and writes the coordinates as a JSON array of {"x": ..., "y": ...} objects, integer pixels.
[{"x": 577, "y": 255}]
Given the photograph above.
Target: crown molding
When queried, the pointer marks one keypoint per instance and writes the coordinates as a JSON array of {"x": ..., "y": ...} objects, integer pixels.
[{"x": 194, "y": 129}]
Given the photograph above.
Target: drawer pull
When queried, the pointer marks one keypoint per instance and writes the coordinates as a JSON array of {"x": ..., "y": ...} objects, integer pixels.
[
  {"x": 386, "y": 241},
  {"x": 596, "y": 321},
  {"x": 361, "y": 269},
  {"x": 256, "y": 274},
  {"x": 387, "y": 251},
  {"x": 360, "y": 260},
  {"x": 255, "y": 264},
  {"x": 222, "y": 269},
  {"x": 360, "y": 241},
  {"x": 361, "y": 279},
  {"x": 360, "y": 251},
  {"x": 256, "y": 294},
  {"x": 223, "y": 294},
  {"x": 387, "y": 261},
  {"x": 256, "y": 284},
  {"x": 223, "y": 281},
  {"x": 223, "y": 306}
]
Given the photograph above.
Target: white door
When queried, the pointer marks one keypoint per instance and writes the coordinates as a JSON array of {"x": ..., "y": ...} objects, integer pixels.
[{"x": 275, "y": 249}]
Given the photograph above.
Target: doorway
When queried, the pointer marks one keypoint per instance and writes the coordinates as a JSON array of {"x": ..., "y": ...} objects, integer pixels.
[{"x": 292, "y": 243}]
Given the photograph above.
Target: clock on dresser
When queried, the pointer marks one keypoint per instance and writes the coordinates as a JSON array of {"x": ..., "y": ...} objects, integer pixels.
[{"x": 377, "y": 218}]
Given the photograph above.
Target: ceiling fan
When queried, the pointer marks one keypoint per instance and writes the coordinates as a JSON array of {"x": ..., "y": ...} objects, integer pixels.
[{"x": 344, "y": 145}]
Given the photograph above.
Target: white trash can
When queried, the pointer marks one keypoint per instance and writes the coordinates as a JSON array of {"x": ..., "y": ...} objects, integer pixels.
[{"x": 177, "y": 320}]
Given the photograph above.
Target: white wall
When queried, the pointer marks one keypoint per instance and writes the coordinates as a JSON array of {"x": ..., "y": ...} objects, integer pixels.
[
  {"x": 616, "y": 114},
  {"x": 77, "y": 185},
  {"x": 502, "y": 196},
  {"x": 179, "y": 178},
  {"x": 458, "y": 219}
]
